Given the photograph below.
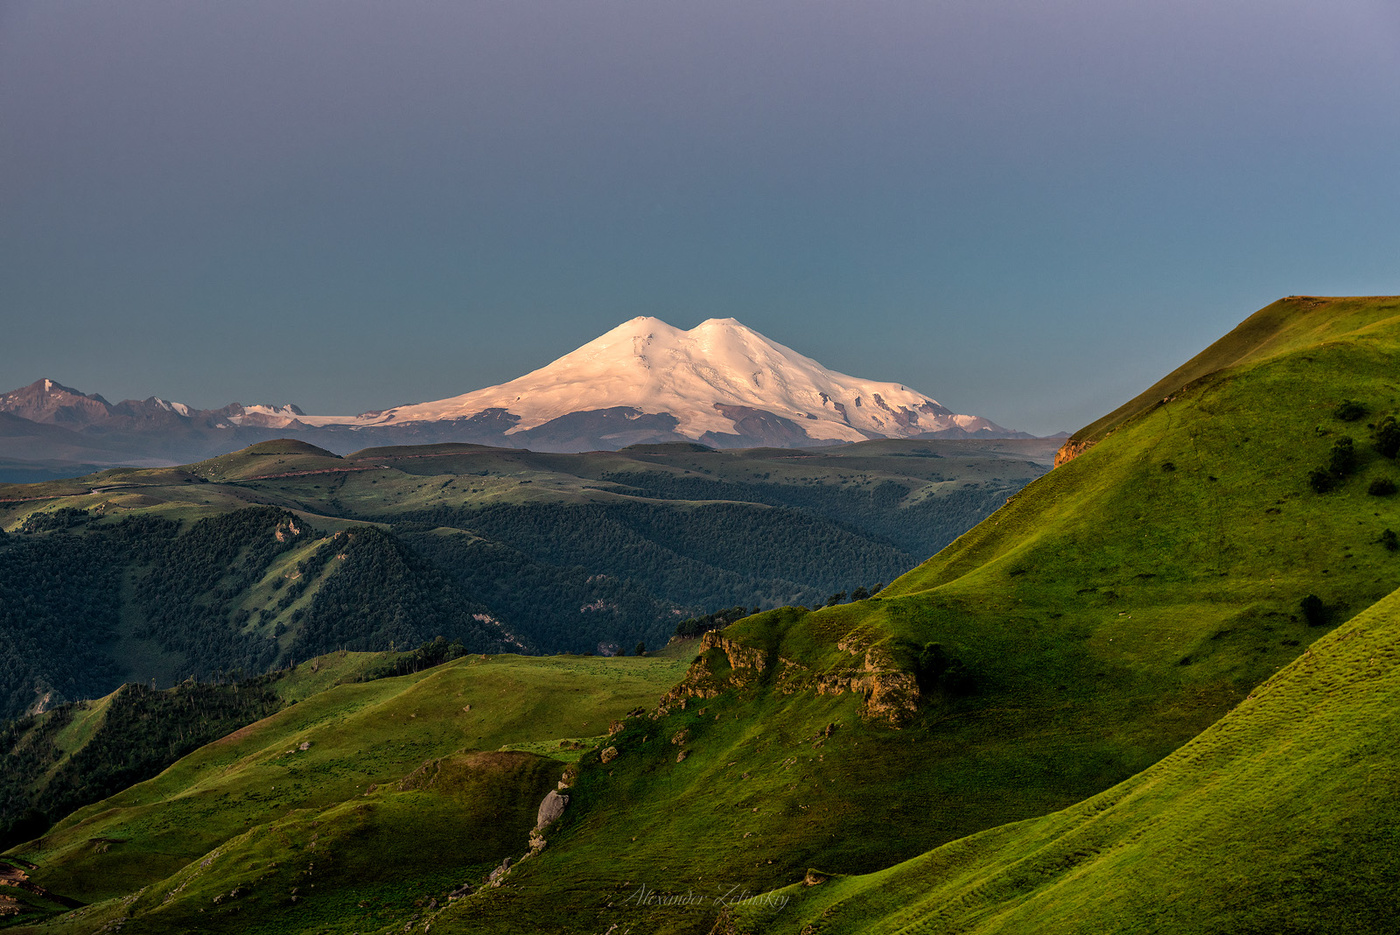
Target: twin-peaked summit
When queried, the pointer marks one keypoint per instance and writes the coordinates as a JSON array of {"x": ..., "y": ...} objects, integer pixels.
[{"x": 720, "y": 383}]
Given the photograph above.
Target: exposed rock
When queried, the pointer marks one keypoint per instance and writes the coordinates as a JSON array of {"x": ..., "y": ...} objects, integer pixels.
[
  {"x": 679, "y": 736},
  {"x": 550, "y": 809},
  {"x": 705, "y": 678},
  {"x": 608, "y": 755},
  {"x": 814, "y": 877},
  {"x": 499, "y": 873},
  {"x": 615, "y": 727},
  {"x": 1072, "y": 449},
  {"x": 682, "y": 755},
  {"x": 891, "y": 693}
]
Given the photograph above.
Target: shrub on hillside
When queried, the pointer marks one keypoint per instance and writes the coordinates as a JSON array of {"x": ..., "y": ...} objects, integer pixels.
[
  {"x": 1386, "y": 438},
  {"x": 1321, "y": 480},
  {"x": 692, "y": 627},
  {"x": 936, "y": 670},
  {"x": 1342, "y": 460},
  {"x": 1390, "y": 540},
  {"x": 1349, "y": 410},
  {"x": 1314, "y": 611},
  {"x": 1381, "y": 487}
]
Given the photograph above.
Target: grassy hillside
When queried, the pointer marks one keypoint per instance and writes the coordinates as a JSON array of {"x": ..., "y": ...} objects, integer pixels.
[
  {"x": 1279, "y": 818},
  {"x": 75, "y": 754},
  {"x": 1107, "y": 614},
  {"x": 366, "y": 800},
  {"x": 1295, "y": 323}
]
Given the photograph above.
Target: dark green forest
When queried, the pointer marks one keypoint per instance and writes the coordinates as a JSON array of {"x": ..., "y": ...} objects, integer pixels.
[
  {"x": 142, "y": 731},
  {"x": 920, "y": 529},
  {"x": 567, "y": 577},
  {"x": 87, "y": 602}
]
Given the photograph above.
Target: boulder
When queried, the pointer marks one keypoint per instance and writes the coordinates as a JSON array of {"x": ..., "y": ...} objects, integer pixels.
[{"x": 550, "y": 809}]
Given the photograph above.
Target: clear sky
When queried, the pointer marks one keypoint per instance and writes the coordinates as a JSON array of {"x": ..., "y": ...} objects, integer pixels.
[{"x": 1029, "y": 210}]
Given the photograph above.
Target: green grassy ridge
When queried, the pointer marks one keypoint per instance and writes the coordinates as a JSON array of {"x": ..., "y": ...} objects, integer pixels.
[
  {"x": 1282, "y": 327},
  {"x": 1110, "y": 612},
  {"x": 1239, "y": 445},
  {"x": 280, "y": 456},
  {"x": 359, "y": 734},
  {"x": 370, "y": 861},
  {"x": 1279, "y": 818}
]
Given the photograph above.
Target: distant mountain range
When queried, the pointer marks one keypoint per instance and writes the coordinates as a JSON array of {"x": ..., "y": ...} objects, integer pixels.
[{"x": 721, "y": 384}]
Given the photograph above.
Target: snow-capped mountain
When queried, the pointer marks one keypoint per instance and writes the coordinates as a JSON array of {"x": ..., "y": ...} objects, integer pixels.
[{"x": 720, "y": 383}]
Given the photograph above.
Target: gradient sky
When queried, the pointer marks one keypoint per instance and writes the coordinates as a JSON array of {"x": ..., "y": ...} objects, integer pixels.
[{"x": 1029, "y": 210}]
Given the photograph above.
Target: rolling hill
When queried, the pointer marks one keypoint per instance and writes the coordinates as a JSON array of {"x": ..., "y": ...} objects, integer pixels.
[{"x": 284, "y": 551}]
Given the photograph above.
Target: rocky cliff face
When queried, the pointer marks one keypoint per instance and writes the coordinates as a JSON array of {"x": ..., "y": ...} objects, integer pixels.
[
  {"x": 1070, "y": 450},
  {"x": 890, "y": 692}
]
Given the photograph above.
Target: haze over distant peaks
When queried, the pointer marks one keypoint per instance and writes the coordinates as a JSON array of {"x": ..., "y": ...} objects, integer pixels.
[
  {"x": 644, "y": 382},
  {"x": 720, "y": 383}
]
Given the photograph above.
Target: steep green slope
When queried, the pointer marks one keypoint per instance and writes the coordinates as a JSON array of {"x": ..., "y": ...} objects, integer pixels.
[
  {"x": 1107, "y": 614},
  {"x": 1282, "y": 817},
  {"x": 1287, "y": 325},
  {"x": 384, "y": 793}
]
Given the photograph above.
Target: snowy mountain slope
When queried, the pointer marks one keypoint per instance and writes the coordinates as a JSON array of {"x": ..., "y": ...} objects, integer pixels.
[
  {"x": 644, "y": 382},
  {"x": 719, "y": 380}
]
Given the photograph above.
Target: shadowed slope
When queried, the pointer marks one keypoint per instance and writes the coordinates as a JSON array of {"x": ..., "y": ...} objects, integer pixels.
[{"x": 1280, "y": 818}]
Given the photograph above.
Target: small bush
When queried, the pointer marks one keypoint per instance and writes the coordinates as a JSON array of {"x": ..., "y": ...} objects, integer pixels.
[
  {"x": 1349, "y": 410},
  {"x": 1343, "y": 459},
  {"x": 1387, "y": 437},
  {"x": 1314, "y": 612},
  {"x": 1382, "y": 487},
  {"x": 1321, "y": 481},
  {"x": 1390, "y": 540}
]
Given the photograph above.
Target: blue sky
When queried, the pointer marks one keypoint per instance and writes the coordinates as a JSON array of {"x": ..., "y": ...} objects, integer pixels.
[{"x": 1029, "y": 210}]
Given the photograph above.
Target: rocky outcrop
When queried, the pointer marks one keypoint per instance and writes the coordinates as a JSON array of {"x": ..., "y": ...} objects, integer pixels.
[
  {"x": 550, "y": 809},
  {"x": 723, "y": 664},
  {"x": 497, "y": 875},
  {"x": 1071, "y": 449},
  {"x": 890, "y": 691}
]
